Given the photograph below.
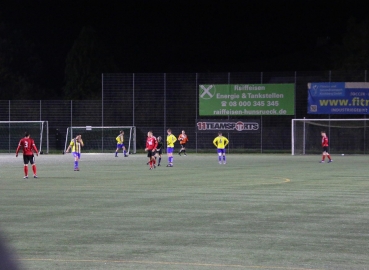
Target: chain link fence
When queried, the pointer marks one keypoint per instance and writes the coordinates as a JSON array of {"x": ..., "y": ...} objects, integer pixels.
[{"x": 158, "y": 101}]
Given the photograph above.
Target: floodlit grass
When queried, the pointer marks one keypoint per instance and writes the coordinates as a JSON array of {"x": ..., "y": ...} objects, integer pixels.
[{"x": 255, "y": 212}]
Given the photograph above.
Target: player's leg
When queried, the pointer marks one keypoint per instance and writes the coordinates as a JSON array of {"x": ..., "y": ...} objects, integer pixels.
[
  {"x": 25, "y": 166},
  {"x": 219, "y": 156},
  {"x": 76, "y": 158},
  {"x": 159, "y": 158},
  {"x": 116, "y": 150},
  {"x": 124, "y": 151},
  {"x": 224, "y": 157},
  {"x": 33, "y": 164},
  {"x": 329, "y": 157},
  {"x": 170, "y": 151},
  {"x": 184, "y": 149}
]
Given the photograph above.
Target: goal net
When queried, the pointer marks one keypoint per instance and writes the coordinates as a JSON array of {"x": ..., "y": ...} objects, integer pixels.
[
  {"x": 102, "y": 139},
  {"x": 12, "y": 131},
  {"x": 346, "y": 136}
]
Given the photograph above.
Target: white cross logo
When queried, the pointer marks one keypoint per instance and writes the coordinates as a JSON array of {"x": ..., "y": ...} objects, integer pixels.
[{"x": 206, "y": 92}]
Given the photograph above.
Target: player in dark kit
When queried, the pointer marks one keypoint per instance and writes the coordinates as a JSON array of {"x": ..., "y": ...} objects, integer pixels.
[
  {"x": 159, "y": 149},
  {"x": 28, "y": 148},
  {"x": 151, "y": 144}
]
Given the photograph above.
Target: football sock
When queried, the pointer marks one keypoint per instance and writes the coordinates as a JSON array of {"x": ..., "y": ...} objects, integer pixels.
[
  {"x": 154, "y": 161},
  {"x": 224, "y": 158},
  {"x": 75, "y": 164},
  {"x": 159, "y": 160},
  {"x": 323, "y": 157},
  {"x": 25, "y": 170},
  {"x": 34, "y": 169},
  {"x": 329, "y": 157},
  {"x": 220, "y": 158},
  {"x": 125, "y": 152}
]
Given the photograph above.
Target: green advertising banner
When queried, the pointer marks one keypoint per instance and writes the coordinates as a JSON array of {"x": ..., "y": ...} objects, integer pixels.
[{"x": 246, "y": 99}]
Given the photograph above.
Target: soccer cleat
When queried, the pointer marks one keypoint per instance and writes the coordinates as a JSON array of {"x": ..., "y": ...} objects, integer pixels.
[
  {"x": 220, "y": 162},
  {"x": 25, "y": 177},
  {"x": 150, "y": 168},
  {"x": 224, "y": 162},
  {"x": 159, "y": 164},
  {"x": 76, "y": 169},
  {"x": 185, "y": 154},
  {"x": 154, "y": 167},
  {"x": 170, "y": 165},
  {"x": 322, "y": 161},
  {"x": 330, "y": 161},
  {"x": 179, "y": 153},
  {"x": 125, "y": 156},
  {"x": 35, "y": 176}
]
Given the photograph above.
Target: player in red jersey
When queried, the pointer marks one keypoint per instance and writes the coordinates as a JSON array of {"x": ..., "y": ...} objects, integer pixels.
[
  {"x": 325, "y": 147},
  {"x": 28, "y": 148},
  {"x": 151, "y": 144}
]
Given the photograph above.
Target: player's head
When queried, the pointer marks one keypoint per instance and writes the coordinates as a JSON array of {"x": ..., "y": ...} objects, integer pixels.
[
  {"x": 149, "y": 134},
  {"x": 323, "y": 133},
  {"x": 169, "y": 131},
  {"x": 219, "y": 133},
  {"x": 78, "y": 137},
  {"x": 26, "y": 134},
  {"x": 183, "y": 132},
  {"x": 159, "y": 139},
  {"x": 121, "y": 132}
]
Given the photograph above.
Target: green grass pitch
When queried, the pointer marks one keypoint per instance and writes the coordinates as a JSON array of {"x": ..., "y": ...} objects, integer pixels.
[{"x": 258, "y": 211}]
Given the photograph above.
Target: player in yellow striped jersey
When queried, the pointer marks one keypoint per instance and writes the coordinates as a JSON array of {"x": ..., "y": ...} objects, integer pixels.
[
  {"x": 220, "y": 143},
  {"x": 76, "y": 145},
  {"x": 120, "y": 144},
  {"x": 171, "y": 139}
]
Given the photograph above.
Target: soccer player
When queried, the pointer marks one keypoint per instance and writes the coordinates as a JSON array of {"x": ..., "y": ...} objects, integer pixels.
[
  {"x": 183, "y": 139},
  {"x": 221, "y": 142},
  {"x": 151, "y": 144},
  {"x": 171, "y": 139},
  {"x": 325, "y": 147},
  {"x": 76, "y": 145},
  {"x": 120, "y": 144},
  {"x": 159, "y": 149},
  {"x": 28, "y": 148}
]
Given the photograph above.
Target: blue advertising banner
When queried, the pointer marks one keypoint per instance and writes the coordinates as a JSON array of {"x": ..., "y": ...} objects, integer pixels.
[{"x": 338, "y": 98}]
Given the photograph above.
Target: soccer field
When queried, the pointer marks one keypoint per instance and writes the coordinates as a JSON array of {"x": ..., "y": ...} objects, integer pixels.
[{"x": 255, "y": 212}]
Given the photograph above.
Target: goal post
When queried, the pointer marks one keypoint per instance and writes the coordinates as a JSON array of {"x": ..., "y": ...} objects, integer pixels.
[
  {"x": 346, "y": 136},
  {"x": 12, "y": 131},
  {"x": 98, "y": 139}
]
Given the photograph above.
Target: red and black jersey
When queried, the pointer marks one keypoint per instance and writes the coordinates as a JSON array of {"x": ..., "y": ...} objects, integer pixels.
[
  {"x": 28, "y": 146},
  {"x": 151, "y": 143},
  {"x": 325, "y": 141}
]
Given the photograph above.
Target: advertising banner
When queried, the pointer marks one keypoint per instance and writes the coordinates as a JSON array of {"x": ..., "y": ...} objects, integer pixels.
[
  {"x": 206, "y": 125},
  {"x": 338, "y": 98},
  {"x": 246, "y": 99}
]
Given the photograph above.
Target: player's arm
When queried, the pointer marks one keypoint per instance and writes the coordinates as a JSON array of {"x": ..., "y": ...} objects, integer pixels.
[
  {"x": 215, "y": 142},
  {"x": 226, "y": 142},
  {"x": 81, "y": 142},
  {"x": 174, "y": 139},
  {"x": 69, "y": 146},
  {"x": 35, "y": 148}
]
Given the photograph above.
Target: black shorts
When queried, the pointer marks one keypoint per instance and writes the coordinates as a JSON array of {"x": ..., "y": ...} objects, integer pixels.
[
  {"x": 183, "y": 145},
  {"x": 28, "y": 159},
  {"x": 325, "y": 149},
  {"x": 150, "y": 153},
  {"x": 159, "y": 152}
]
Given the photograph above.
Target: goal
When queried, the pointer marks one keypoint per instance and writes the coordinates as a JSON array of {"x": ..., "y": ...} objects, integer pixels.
[
  {"x": 12, "y": 131},
  {"x": 102, "y": 139},
  {"x": 346, "y": 136}
]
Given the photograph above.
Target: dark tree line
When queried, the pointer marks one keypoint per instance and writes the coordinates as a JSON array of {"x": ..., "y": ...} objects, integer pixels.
[{"x": 25, "y": 72}]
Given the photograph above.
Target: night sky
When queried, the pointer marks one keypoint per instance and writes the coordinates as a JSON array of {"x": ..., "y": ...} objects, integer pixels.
[{"x": 185, "y": 36}]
